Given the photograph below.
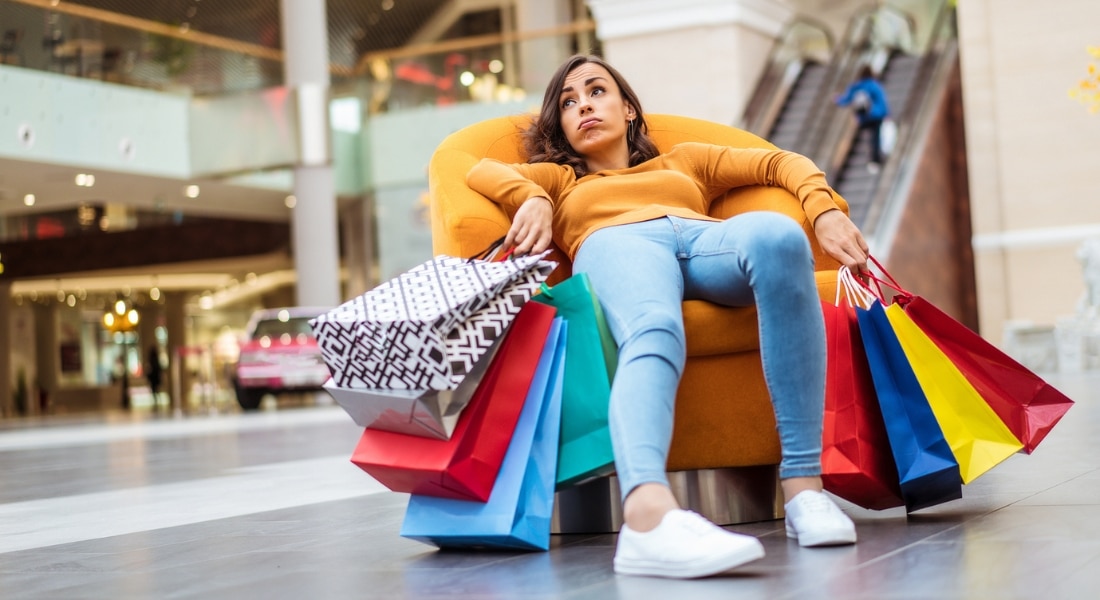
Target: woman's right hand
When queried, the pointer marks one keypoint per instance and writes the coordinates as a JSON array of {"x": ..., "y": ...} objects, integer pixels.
[{"x": 531, "y": 227}]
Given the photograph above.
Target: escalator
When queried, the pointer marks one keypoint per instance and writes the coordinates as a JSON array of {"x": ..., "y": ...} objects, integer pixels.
[
  {"x": 854, "y": 180},
  {"x": 915, "y": 210},
  {"x": 794, "y": 116}
]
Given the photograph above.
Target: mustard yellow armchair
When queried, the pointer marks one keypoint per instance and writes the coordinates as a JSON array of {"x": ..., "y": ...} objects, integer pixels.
[{"x": 724, "y": 417}]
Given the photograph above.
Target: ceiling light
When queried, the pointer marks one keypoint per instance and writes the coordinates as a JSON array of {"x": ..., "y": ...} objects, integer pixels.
[
  {"x": 496, "y": 66},
  {"x": 85, "y": 179},
  {"x": 466, "y": 78},
  {"x": 28, "y": 199},
  {"x": 291, "y": 201},
  {"x": 191, "y": 191}
]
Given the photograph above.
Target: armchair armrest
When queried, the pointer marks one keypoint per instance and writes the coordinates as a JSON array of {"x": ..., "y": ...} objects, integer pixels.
[{"x": 755, "y": 198}]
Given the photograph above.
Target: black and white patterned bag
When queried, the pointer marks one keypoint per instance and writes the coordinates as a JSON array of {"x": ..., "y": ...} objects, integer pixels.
[{"x": 426, "y": 328}]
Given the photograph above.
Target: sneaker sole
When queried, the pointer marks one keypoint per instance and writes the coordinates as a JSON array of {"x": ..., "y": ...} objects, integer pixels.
[
  {"x": 718, "y": 564},
  {"x": 826, "y": 538}
]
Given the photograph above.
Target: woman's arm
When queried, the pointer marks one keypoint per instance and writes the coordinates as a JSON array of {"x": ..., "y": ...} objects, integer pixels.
[
  {"x": 723, "y": 168},
  {"x": 531, "y": 190}
]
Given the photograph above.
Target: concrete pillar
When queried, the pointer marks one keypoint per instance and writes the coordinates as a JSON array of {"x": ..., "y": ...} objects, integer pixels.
[
  {"x": 7, "y": 379},
  {"x": 541, "y": 57},
  {"x": 47, "y": 351},
  {"x": 176, "y": 381},
  {"x": 356, "y": 224},
  {"x": 147, "y": 336},
  {"x": 697, "y": 58},
  {"x": 313, "y": 221}
]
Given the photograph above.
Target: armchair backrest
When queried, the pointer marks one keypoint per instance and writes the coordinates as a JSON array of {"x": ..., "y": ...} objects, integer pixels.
[{"x": 465, "y": 222}]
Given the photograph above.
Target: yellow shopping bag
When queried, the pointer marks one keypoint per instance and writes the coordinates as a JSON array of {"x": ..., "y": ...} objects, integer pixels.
[{"x": 977, "y": 436}]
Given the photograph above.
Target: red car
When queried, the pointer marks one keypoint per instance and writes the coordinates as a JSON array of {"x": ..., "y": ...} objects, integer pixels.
[{"x": 279, "y": 354}]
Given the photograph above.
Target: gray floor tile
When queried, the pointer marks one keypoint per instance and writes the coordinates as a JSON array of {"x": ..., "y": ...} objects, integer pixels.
[{"x": 243, "y": 506}]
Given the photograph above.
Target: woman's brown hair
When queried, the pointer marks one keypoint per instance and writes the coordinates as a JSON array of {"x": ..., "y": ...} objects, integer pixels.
[{"x": 545, "y": 141}]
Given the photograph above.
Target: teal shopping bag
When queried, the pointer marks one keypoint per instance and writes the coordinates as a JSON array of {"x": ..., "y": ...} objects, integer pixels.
[
  {"x": 518, "y": 512},
  {"x": 590, "y": 359}
]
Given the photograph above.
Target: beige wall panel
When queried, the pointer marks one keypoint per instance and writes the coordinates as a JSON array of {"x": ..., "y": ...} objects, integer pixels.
[
  {"x": 724, "y": 64},
  {"x": 1032, "y": 152},
  {"x": 1051, "y": 285}
]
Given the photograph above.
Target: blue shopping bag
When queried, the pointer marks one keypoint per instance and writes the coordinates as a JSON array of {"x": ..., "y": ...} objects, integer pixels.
[
  {"x": 517, "y": 514},
  {"x": 927, "y": 469}
]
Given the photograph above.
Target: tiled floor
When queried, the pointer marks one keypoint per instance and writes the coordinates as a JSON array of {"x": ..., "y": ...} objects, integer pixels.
[{"x": 268, "y": 506}]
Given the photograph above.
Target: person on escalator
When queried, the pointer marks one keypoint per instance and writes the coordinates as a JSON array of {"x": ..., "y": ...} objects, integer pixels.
[{"x": 868, "y": 98}]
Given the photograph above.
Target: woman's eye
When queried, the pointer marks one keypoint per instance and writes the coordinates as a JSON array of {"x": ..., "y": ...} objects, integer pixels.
[
  {"x": 597, "y": 91},
  {"x": 567, "y": 103}
]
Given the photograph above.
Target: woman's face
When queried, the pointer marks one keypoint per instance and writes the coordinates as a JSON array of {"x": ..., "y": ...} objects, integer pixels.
[{"x": 594, "y": 116}]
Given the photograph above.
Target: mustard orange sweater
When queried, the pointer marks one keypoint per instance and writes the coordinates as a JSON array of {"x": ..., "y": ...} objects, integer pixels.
[{"x": 680, "y": 182}]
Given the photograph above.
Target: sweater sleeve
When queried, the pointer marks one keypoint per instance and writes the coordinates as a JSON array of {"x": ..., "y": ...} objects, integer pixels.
[
  {"x": 722, "y": 168},
  {"x": 513, "y": 184}
]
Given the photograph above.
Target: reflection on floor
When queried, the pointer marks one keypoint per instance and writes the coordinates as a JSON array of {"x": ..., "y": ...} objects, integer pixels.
[{"x": 267, "y": 505}]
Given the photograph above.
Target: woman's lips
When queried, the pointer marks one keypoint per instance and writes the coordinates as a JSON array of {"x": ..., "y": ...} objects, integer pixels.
[{"x": 587, "y": 123}]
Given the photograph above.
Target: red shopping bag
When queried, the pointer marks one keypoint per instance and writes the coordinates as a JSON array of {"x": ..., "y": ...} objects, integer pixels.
[
  {"x": 856, "y": 460},
  {"x": 465, "y": 466},
  {"x": 1028, "y": 405}
]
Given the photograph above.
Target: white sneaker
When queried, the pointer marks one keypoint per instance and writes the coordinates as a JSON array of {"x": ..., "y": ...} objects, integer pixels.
[
  {"x": 683, "y": 546},
  {"x": 814, "y": 520}
]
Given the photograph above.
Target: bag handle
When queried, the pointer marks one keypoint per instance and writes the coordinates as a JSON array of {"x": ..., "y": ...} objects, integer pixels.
[
  {"x": 490, "y": 253},
  {"x": 854, "y": 289},
  {"x": 900, "y": 296}
]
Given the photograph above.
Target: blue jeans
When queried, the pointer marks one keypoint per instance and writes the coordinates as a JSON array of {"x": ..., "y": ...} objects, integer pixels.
[{"x": 643, "y": 271}]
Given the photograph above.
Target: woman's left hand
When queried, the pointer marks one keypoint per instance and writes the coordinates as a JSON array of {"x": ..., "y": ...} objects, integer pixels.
[{"x": 841, "y": 239}]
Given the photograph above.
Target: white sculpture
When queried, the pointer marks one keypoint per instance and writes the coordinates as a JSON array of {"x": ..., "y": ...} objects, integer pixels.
[{"x": 1089, "y": 256}]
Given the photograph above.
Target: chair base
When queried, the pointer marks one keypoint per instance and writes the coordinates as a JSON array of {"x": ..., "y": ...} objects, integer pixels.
[{"x": 726, "y": 496}]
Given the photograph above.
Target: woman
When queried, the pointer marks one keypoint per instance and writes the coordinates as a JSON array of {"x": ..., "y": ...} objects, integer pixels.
[
  {"x": 867, "y": 96},
  {"x": 636, "y": 221}
]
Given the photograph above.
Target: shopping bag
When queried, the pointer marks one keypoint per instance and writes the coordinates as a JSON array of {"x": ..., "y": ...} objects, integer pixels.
[
  {"x": 856, "y": 461},
  {"x": 518, "y": 513},
  {"x": 426, "y": 328},
  {"x": 590, "y": 360},
  {"x": 427, "y": 413},
  {"x": 927, "y": 470},
  {"x": 978, "y": 438},
  {"x": 465, "y": 466},
  {"x": 888, "y": 136},
  {"x": 1029, "y": 406}
]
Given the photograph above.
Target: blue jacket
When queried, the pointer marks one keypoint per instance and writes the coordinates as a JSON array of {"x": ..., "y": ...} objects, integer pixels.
[{"x": 871, "y": 89}]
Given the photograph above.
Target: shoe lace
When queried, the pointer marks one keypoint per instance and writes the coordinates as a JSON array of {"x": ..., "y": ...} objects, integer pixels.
[
  {"x": 698, "y": 523},
  {"x": 816, "y": 503}
]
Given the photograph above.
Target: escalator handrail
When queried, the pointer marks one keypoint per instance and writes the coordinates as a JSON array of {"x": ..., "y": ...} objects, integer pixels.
[{"x": 774, "y": 84}]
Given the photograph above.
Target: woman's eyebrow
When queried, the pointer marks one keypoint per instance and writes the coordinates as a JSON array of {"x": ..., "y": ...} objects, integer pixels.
[{"x": 569, "y": 88}]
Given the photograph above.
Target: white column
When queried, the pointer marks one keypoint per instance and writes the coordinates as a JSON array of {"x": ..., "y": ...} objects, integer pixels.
[
  {"x": 313, "y": 222},
  {"x": 698, "y": 58},
  {"x": 540, "y": 57}
]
